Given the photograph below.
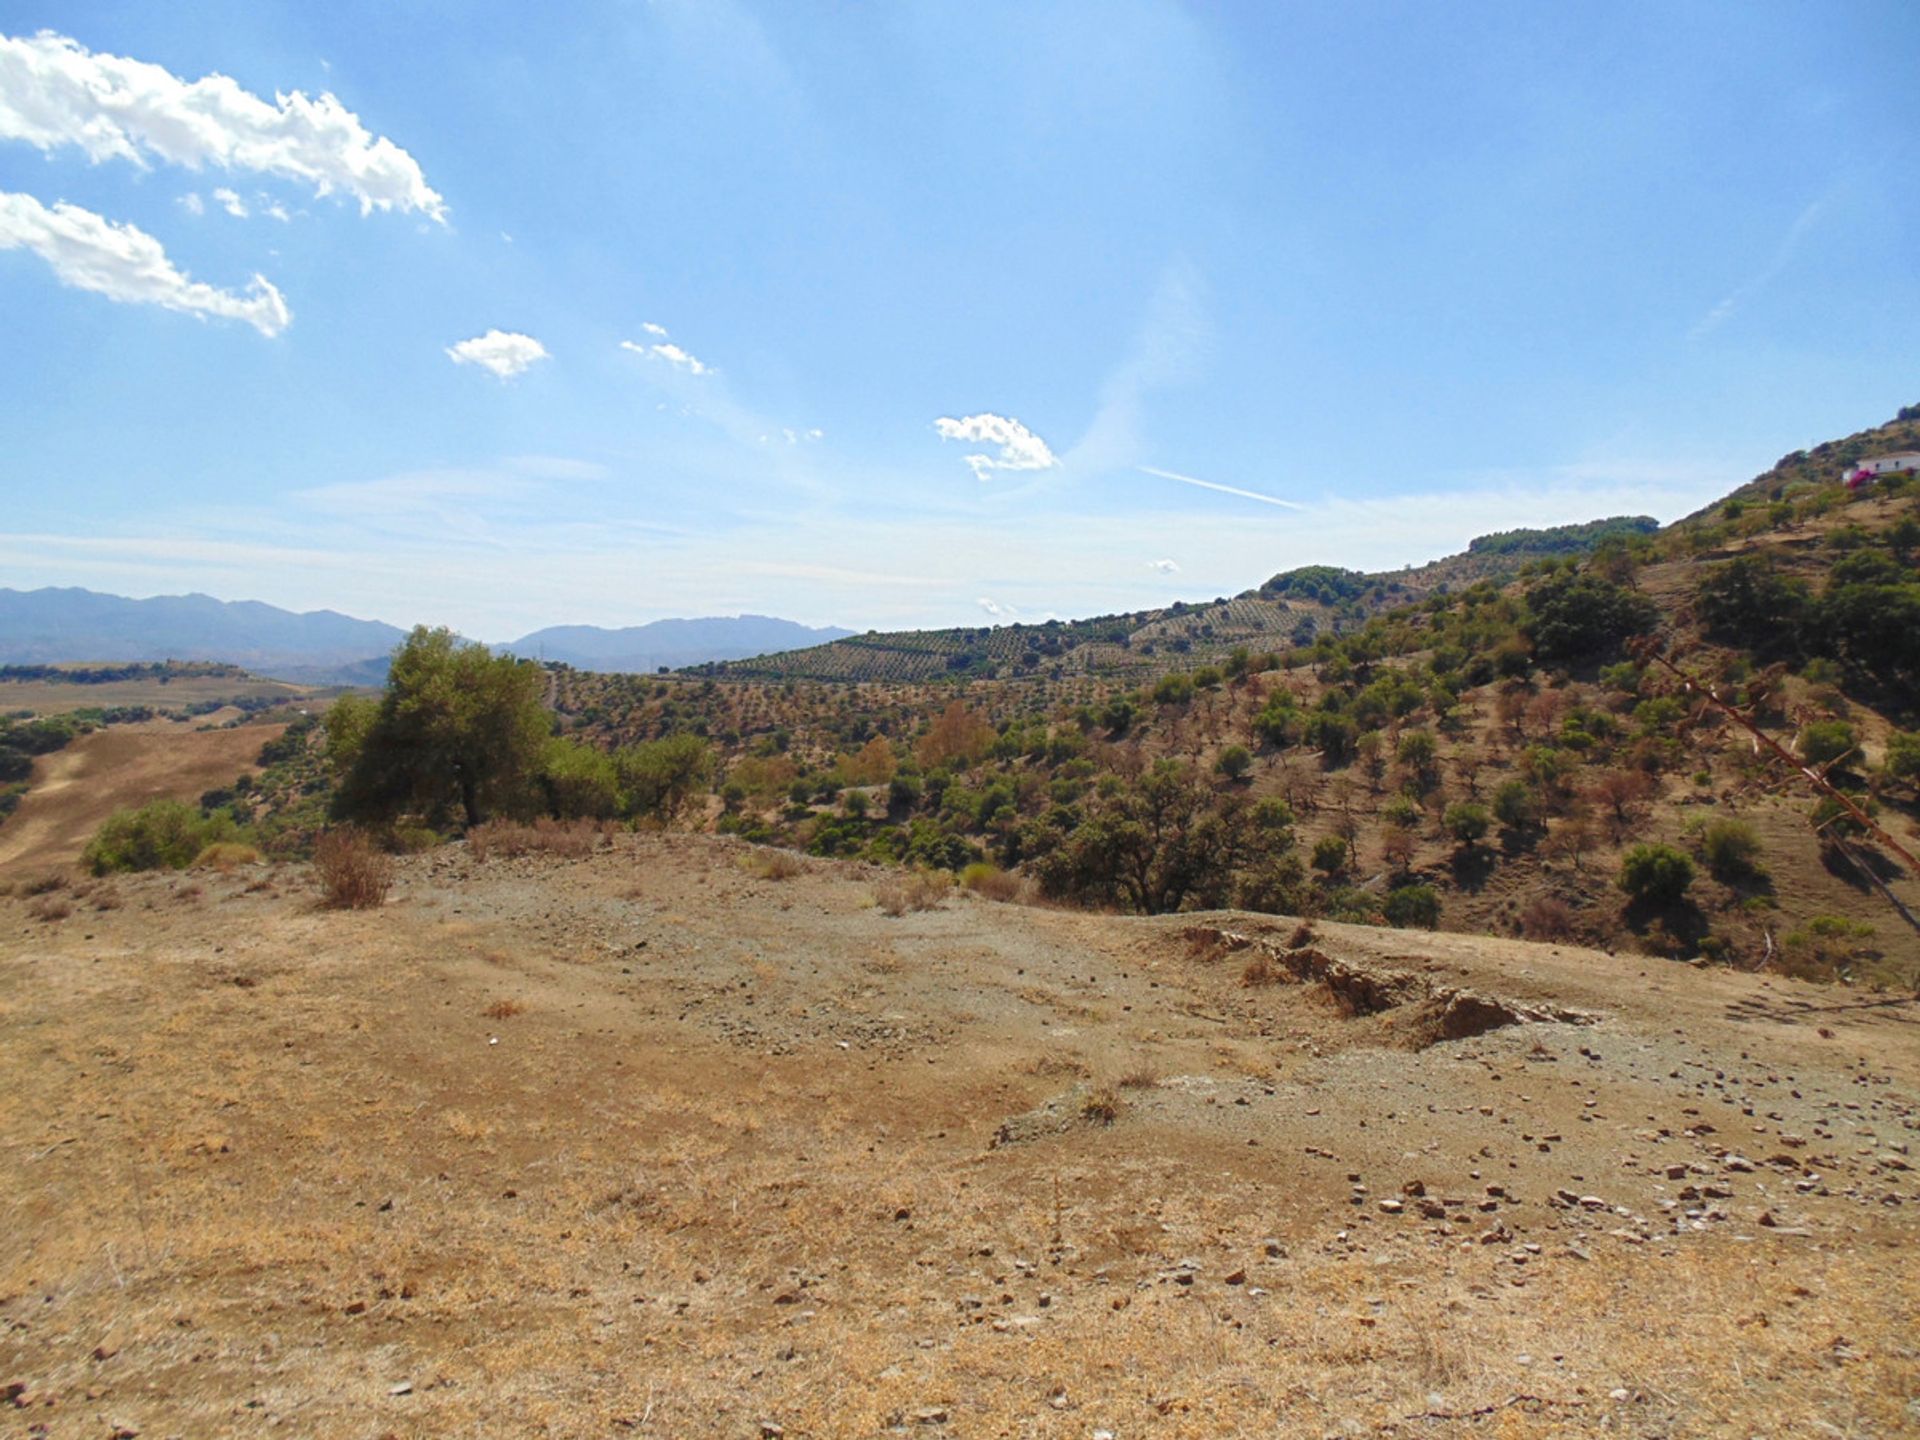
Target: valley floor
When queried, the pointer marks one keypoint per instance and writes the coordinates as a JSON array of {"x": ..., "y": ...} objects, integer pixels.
[{"x": 641, "y": 1144}]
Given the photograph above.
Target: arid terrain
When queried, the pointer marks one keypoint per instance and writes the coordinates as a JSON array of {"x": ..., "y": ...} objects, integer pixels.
[
  {"x": 662, "y": 1142},
  {"x": 121, "y": 767}
]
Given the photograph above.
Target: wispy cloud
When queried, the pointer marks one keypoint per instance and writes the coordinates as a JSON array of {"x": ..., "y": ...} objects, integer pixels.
[
  {"x": 231, "y": 203},
  {"x": 1223, "y": 489},
  {"x": 1165, "y": 567},
  {"x": 504, "y": 353},
  {"x": 54, "y": 93},
  {"x": 1019, "y": 447},
  {"x": 1165, "y": 351},
  {"x": 124, "y": 263},
  {"x": 1783, "y": 254},
  {"x": 997, "y": 610}
]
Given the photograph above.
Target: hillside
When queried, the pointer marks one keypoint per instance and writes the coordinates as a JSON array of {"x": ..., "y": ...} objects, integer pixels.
[
  {"x": 1486, "y": 758},
  {"x": 642, "y": 1143},
  {"x": 1289, "y": 609}
]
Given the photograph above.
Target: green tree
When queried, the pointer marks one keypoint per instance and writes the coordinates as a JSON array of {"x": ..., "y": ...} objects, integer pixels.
[
  {"x": 659, "y": 777},
  {"x": 1466, "y": 821},
  {"x": 1234, "y": 762},
  {"x": 1573, "y": 615},
  {"x": 1826, "y": 741},
  {"x": 458, "y": 729},
  {"x": 1411, "y": 907},
  {"x": 1152, "y": 846},
  {"x": 1657, "y": 874}
]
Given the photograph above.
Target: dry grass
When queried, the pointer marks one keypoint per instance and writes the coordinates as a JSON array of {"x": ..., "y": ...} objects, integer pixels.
[
  {"x": 226, "y": 857},
  {"x": 504, "y": 1009},
  {"x": 45, "y": 884},
  {"x": 49, "y": 907},
  {"x": 765, "y": 863},
  {"x": 353, "y": 872},
  {"x": 565, "y": 839},
  {"x": 991, "y": 882},
  {"x": 922, "y": 890}
]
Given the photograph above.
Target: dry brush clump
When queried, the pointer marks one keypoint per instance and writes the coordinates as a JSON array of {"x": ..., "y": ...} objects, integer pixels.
[
  {"x": 769, "y": 864},
  {"x": 567, "y": 839},
  {"x": 922, "y": 890},
  {"x": 354, "y": 873}
]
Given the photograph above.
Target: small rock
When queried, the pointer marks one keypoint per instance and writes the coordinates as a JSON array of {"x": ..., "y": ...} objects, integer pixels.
[
  {"x": 405, "y": 1387},
  {"x": 931, "y": 1415},
  {"x": 1237, "y": 1277}
]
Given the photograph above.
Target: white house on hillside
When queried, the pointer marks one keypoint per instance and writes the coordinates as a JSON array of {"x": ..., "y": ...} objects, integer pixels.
[{"x": 1871, "y": 469}]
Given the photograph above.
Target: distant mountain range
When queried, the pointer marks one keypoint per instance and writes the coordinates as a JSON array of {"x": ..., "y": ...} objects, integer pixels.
[
  {"x": 672, "y": 643},
  {"x": 53, "y": 626}
]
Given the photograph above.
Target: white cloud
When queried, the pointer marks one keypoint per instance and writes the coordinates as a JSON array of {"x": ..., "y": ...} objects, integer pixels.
[
  {"x": 653, "y": 329},
  {"x": 54, "y": 92},
  {"x": 1020, "y": 448},
  {"x": 996, "y": 609},
  {"x": 672, "y": 354},
  {"x": 1165, "y": 567},
  {"x": 278, "y": 212},
  {"x": 503, "y": 352},
  {"x": 193, "y": 204},
  {"x": 231, "y": 203},
  {"x": 125, "y": 263}
]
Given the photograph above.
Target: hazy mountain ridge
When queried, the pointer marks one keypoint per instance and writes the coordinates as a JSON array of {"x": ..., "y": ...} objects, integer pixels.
[
  {"x": 66, "y": 625},
  {"x": 670, "y": 643}
]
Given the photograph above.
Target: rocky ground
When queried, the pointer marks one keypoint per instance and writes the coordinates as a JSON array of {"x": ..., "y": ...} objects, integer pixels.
[{"x": 645, "y": 1144}]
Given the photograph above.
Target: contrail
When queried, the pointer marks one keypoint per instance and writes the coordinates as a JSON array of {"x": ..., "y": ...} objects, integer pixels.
[{"x": 1223, "y": 489}]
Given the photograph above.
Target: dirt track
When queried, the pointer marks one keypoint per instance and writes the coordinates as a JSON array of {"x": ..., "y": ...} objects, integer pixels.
[
  {"x": 119, "y": 768},
  {"x": 640, "y": 1144}
]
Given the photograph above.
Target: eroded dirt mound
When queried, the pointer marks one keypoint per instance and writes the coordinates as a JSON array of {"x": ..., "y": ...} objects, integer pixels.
[
  {"x": 641, "y": 1144},
  {"x": 1430, "y": 1011}
]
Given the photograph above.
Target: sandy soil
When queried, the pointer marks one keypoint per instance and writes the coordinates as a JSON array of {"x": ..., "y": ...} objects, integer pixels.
[
  {"x": 119, "y": 768},
  {"x": 640, "y": 1144}
]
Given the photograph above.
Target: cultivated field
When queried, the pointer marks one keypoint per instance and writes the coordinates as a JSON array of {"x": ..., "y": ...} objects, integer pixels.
[{"x": 648, "y": 1143}]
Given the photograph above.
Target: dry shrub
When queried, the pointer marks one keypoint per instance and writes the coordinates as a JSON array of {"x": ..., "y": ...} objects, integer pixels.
[
  {"x": 105, "y": 899},
  {"x": 922, "y": 890},
  {"x": 568, "y": 839},
  {"x": 991, "y": 882},
  {"x": 1546, "y": 918},
  {"x": 354, "y": 873},
  {"x": 1102, "y": 1106},
  {"x": 49, "y": 907},
  {"x": 769, "y": 864},
  {"x": 45, "y": 885},
  {"x": 504, "y": 1009},
  {"x": 226, "y": 856},
  {"x": 1260, "y": 970},
  {"x": 1139, "y": 1076},
  {"x": 1302, "y": 935}
]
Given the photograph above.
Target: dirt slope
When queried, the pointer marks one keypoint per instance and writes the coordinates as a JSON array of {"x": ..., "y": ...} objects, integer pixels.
[
  {"x": 642, "y": 1145},
  {"x": 119, "y": 768}
]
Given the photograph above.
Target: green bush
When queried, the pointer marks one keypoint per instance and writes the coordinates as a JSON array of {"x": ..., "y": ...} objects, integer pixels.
[
  {"x": 1825, "y": 741},
  {"x": 160, "y": 835},
  {"x": 1466, "y": 821},
  {"x": 1411, "y": 907},
  {"x": 1330, "y": 854},
  {"x": 1903, "y": 755},
  {"x": 1657, "y": 874},
  {"x": 1234, "y": 762},
  {"x": 1731, "y": 849}
]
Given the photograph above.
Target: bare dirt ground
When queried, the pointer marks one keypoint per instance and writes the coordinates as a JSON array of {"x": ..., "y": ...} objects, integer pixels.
[
  {"x": 120, "y": 768},
  {"x": 640, "y": 1144}
]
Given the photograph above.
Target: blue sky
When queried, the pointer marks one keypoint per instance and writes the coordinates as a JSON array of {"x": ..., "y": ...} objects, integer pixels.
[{"x": 914, "y": 314}]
